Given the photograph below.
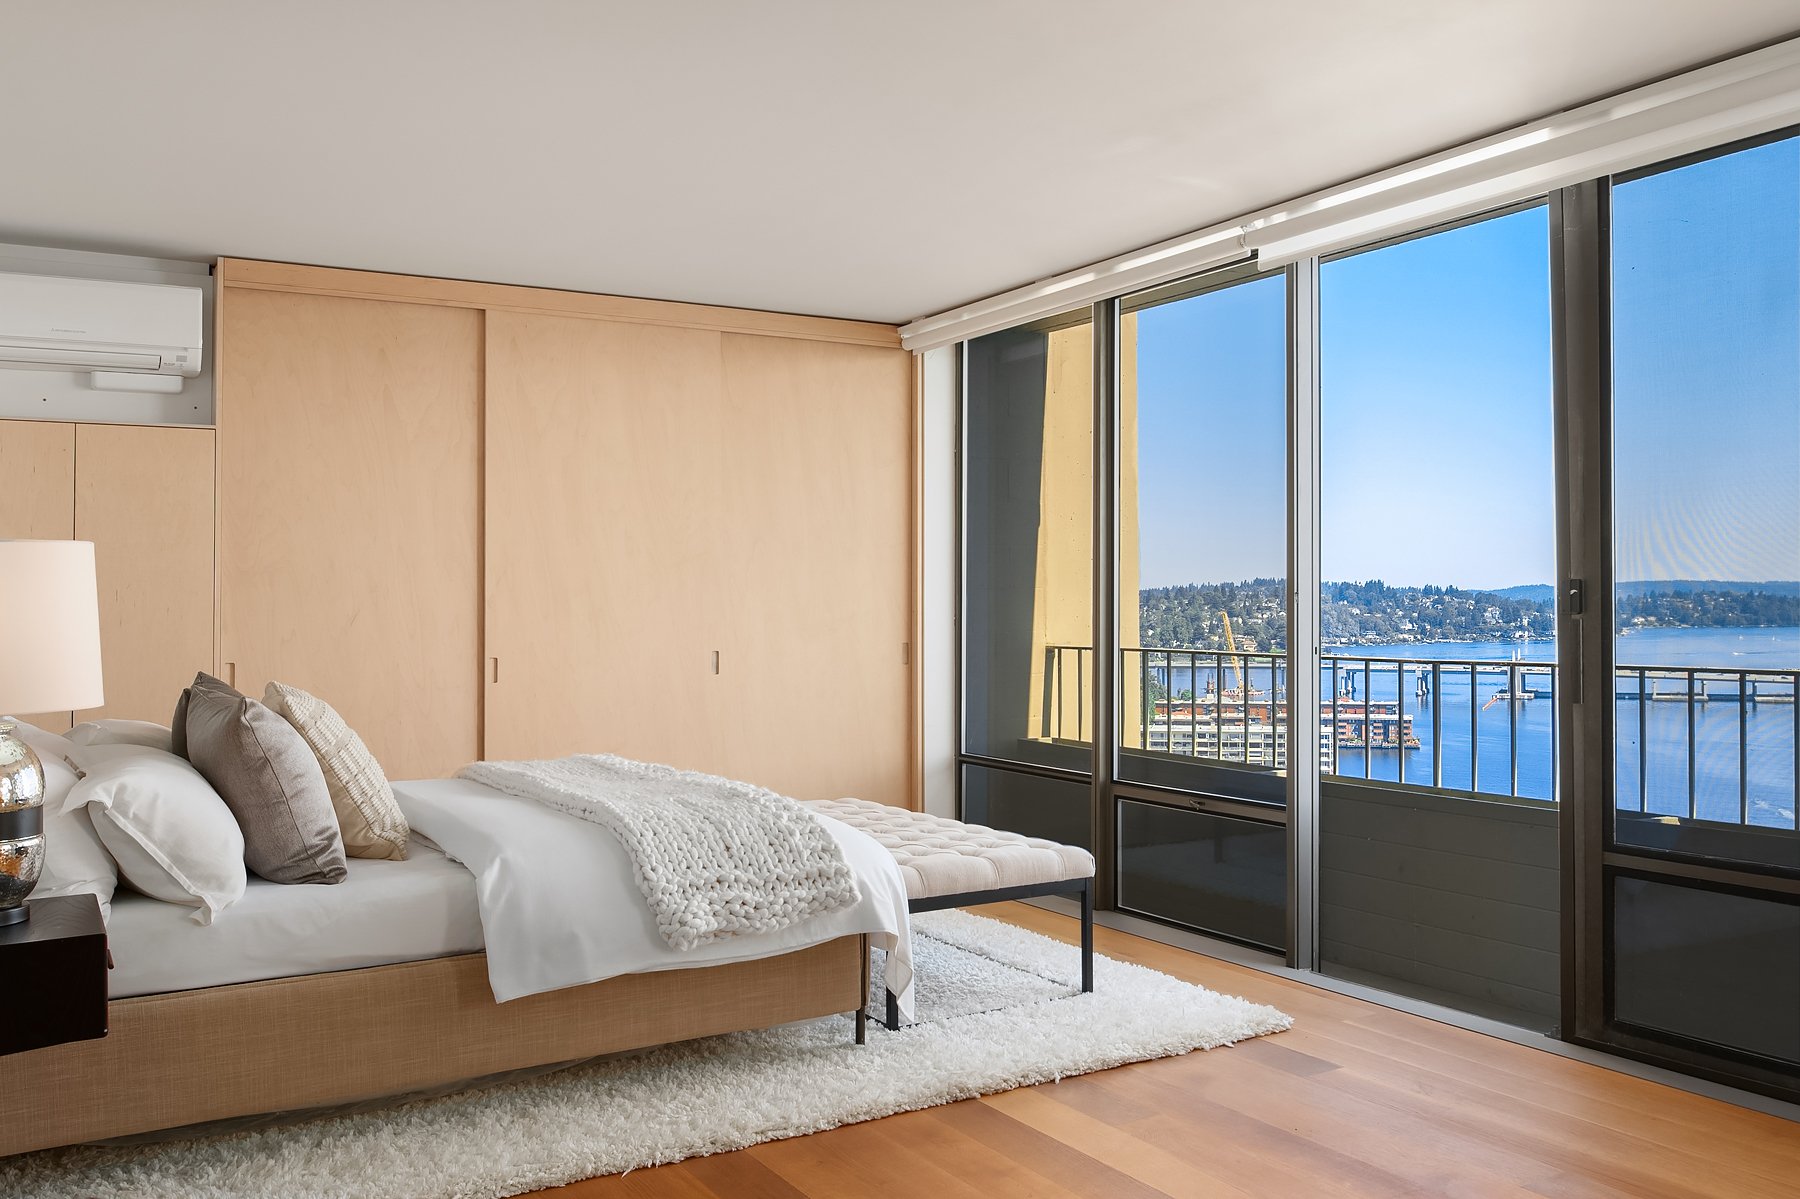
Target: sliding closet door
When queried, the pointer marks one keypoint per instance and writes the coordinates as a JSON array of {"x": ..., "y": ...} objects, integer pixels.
[
  {"x": 606, "y": 526},
  {"x": 818, "y": 516},
  {"x": 144, "y": 497},
  {"x": 37, "y": 460},
  {"x": 349, "y": 552}
]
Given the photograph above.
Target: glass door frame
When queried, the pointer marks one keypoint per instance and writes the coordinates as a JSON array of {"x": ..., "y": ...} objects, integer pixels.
[
  {"x": 1581, "y": 260},
  {"x": 1111, "y": 792},
  {"x": 1104, "y": 335},
  {"x": 1108, "y": 792},
  {"x": 1311, "y": 788}
]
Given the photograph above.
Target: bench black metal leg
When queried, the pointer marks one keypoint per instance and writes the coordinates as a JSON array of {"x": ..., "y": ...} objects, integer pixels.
[
  {"x": 862, "y": 995},
  {"x": 893, "y": 1012},
  {"x": 1087, "y": 936}
]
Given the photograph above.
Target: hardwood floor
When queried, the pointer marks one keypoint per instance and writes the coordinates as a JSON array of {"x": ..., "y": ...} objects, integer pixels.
[{"x": 1355, "y": 1100}]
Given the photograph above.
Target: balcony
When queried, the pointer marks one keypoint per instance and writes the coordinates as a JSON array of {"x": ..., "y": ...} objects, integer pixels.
[
  {"x": 1708, "y": 746},
  {"x": 1439, "y": 855}
]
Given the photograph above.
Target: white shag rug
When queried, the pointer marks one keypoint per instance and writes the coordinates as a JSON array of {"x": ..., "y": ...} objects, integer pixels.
[{"x": 999, "y": 1008}]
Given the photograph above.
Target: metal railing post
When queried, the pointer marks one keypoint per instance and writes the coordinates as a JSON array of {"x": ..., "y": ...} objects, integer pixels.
[
  {"x": 1368, "y": 723},
  {"x": 1690, "y": 743},
  {"x": 1437, "y": 726},
  {"x": 1743, "y": 748},
  {"x": 1474, "y": 730},
  {"x": 1400, "y": 718},
  {"x": 1512, "y": 725}
]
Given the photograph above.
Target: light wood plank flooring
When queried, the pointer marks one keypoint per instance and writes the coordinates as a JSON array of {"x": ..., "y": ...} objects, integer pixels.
[{"x": 1356, "y": 1100}]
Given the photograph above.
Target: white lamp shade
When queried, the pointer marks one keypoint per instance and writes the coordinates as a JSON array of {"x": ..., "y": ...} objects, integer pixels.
[{"x": 49, "y": 627}]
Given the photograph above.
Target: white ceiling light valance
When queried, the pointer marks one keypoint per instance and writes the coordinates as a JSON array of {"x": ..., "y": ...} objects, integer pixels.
[
  {"x": 1147, "y": 267},
  {"x": 1742, "y": 97},
  {"x": 1752, "y": 94}
]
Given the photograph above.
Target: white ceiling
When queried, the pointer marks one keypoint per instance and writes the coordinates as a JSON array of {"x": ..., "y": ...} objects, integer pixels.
[{"x": 839, "y": 157}]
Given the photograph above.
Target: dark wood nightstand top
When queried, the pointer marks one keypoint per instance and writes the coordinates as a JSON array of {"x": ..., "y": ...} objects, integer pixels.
[
  {"x": 56, "y": 966},
  {"x": 52, "y": 919}
]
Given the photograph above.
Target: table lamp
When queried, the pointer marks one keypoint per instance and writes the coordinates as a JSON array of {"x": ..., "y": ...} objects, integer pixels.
[{"x": 50, "y": 611}]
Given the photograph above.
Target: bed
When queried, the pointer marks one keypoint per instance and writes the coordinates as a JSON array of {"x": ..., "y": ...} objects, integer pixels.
[{"x": 512, "y": 937}]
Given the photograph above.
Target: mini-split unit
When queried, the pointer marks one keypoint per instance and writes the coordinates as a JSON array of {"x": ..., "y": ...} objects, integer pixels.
[{"x": 132, "y": 336}]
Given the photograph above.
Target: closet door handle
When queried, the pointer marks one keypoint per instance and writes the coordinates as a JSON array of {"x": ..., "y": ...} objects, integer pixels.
[
  {"x": 493, "y": 670},
  {"x": 231, "y": 674}
]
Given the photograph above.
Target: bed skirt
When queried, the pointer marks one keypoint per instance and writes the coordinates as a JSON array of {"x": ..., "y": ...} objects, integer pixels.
[{"x": 318, "y": 1040}]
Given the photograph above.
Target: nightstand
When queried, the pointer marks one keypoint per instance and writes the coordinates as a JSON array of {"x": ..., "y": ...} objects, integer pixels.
[{"x": 53, "y": 975}]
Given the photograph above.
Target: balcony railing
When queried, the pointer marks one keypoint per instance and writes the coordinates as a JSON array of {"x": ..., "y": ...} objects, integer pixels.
[
  {"x": 1714, "y": 745},
  {"x": 1720, "y": 745}
]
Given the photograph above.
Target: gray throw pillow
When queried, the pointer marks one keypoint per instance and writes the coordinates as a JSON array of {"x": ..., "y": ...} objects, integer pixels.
[
  {"x": 178, "y": 725},
  {"x": 178, "y": 722},
  {"x": 270, "y": 780}
]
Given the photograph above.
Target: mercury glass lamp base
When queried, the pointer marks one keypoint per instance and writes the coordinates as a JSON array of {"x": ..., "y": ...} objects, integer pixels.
[{"x": 21, "y": 824}]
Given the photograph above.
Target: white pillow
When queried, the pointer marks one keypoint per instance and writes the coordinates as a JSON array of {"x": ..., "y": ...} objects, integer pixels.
[
  {"x": 172, "y": 835},
  {"x": 75, "y": 863},
  {"x": 122, "y": 732}
]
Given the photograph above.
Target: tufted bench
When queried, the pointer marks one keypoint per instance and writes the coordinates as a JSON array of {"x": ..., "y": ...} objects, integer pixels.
[{"x": 949, "y": 864}]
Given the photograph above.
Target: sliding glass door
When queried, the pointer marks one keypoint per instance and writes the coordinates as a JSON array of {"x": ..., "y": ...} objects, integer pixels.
[
  {"x": 1701, "y": 868},
  {"x": 1028, "y": 578},
  {"x": 1438, "y": 853},
  {"x": 1202, "y": 605}
]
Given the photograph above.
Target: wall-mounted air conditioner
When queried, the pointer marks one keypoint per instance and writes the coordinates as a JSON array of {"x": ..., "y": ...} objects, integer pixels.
[{"x": 132, "y": 336}]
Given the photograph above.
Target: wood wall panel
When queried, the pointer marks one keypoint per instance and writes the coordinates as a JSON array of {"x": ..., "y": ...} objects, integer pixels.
[
  {"x": 144, "y": 497},
  {"x": 37, "y": 460},
  {"x": 656, "y": 497},
  {"x": 349, "y": 491},
  {"x": 817, "y": 517},
  {"x": 604, "y": 539}
]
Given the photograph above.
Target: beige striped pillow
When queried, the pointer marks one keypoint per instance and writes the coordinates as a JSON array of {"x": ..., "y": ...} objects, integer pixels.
[{"x": 368, "y": 815}]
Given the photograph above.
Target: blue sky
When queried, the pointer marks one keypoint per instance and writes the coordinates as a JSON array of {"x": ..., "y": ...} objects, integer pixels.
[
  {"x": 1706, "y": 316},
  {"x": 1436, "y": 377},
  {"x": 1212, "y": 440}
]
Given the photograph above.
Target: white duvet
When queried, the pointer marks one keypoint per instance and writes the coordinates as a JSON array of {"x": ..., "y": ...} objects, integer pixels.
[{"x": 560, "y": 907}]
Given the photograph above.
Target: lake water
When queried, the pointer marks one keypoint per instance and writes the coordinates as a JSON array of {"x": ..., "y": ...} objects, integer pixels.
[{"x": 1730, "y": 741}]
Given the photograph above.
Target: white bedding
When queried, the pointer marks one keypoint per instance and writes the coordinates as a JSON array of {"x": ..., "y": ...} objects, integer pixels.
[
  {"x": 424, "y": 907},
  {"x": 560, "y": 907}
]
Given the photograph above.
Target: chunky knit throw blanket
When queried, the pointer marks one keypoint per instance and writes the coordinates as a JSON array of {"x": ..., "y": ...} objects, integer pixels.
[{"x": 714, "y": 858}]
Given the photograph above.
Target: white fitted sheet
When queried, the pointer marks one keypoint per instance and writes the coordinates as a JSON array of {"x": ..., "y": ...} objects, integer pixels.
[{"x": 424, "y": 907}]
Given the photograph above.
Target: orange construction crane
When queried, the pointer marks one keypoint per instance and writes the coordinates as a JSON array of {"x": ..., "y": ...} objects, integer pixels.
[{"x": 1237, "y": 671}]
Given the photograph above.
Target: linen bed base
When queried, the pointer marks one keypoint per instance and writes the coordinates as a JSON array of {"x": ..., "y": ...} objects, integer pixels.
[{"x": 318, "y": 1040}]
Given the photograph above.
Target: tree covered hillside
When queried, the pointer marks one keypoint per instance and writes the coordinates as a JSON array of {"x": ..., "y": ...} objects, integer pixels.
[{"x": 1373, "y": 613}]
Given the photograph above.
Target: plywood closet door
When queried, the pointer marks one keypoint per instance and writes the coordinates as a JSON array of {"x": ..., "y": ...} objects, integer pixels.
[
  {"x": 144, "y": 497},
  {"x": 37, "y": 461},
  {"x": 604, "y": 549},
  {"x": 349, "y": 554},
  {"x": 818, "y": 521}
]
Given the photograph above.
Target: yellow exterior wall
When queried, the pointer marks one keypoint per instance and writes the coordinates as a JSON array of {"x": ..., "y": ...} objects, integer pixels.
[{"x": 1062, "y": 609}]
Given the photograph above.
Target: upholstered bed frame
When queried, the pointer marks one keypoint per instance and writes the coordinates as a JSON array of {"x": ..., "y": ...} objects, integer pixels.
[{"x": 319, "y": 1040}]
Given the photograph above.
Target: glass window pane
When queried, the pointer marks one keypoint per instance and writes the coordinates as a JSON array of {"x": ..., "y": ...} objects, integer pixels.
[
  {"x": 1706, "y": 443},
  {"x": 1439, "y": 866},
  {"x": 1203, "y": 541},
  {"x": 1054, "y": 809},
  {"x": 1437, "y": 498},
  {"x": 1213, "y": 873},
  {"x": 1028, "y": 546},
  {"x": 1713, "y": 966}
]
